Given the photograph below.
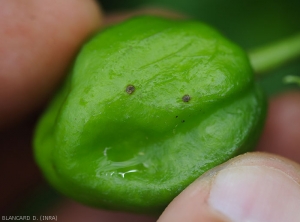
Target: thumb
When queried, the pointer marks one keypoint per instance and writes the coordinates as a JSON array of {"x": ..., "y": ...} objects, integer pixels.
[{"x": 252, "y": 187}]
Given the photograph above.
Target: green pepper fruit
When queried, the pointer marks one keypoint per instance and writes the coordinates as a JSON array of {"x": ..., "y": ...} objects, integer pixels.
[{"x": 150, "y": 105}]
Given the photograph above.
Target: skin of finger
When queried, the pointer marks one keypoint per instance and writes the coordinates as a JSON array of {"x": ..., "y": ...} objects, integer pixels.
[
  {"x": 68, "y": 210},
  {"x": 282, "y": 130},
  {"x": 39, "y": 40},
  {"x": 191, "y": 204}
]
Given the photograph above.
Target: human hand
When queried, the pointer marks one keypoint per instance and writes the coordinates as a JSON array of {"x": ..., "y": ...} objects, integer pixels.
[{"x": 48, "y": 47}]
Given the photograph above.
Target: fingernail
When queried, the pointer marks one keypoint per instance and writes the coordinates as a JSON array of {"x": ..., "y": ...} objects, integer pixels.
[{"x": 254, "y": 194}]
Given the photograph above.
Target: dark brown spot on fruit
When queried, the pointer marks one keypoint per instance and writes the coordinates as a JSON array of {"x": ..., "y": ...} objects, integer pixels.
[
  {"x": 186, "y": 98},
  {"x": 130, "y": 89}
]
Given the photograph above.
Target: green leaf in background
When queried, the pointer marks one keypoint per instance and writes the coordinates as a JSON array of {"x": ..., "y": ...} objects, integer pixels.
[{"x": 292, "y": 79}]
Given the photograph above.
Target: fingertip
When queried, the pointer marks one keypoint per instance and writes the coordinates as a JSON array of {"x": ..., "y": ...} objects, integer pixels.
[
  {"x": 251, "y": 187},
  {"x": 281, "y": 134},
  {"x": 38, "y": 42},
  {"x": 191, "y": 205}
]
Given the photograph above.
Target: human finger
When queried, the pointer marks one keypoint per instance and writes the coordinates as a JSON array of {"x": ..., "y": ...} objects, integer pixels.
[
  {"x": 282, "y": 129},
  {"x": 251, "y": 187},
  {"x": 39, "y": 39}
]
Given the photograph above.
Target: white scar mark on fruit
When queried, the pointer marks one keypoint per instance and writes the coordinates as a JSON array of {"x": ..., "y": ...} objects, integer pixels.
[
  {"x": 105, "y": 150},
  {"x": 174, "y": 130},
  {"x": 130, "y": 171}
]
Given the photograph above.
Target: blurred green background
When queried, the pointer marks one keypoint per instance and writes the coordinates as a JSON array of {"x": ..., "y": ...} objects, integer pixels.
[{"x": 249, "y": 23}]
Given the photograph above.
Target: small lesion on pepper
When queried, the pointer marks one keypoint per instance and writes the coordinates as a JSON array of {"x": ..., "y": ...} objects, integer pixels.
[
  {"x": 186, "y": 98},
  {"x": 130, "y": 89}
]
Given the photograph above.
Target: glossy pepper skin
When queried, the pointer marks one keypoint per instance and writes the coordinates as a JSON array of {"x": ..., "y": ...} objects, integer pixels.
[{"x": 150, "y": 105}]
